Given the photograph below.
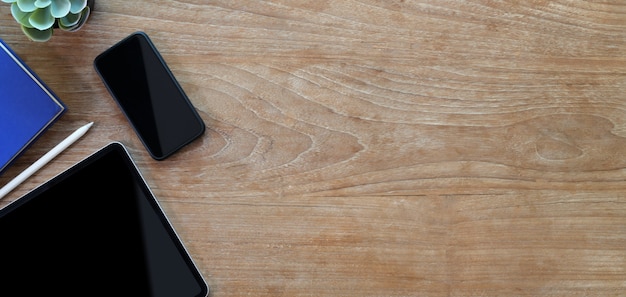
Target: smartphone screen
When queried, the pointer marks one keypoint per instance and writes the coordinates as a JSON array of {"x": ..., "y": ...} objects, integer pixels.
[{"x": 149, "y": 95}]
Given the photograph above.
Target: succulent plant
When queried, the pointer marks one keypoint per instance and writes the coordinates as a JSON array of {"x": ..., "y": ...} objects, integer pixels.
[{"x": 38, "y": 18}]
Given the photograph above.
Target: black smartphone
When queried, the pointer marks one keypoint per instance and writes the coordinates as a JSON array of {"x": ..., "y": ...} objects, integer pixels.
[{"x": 137, "y": 77}]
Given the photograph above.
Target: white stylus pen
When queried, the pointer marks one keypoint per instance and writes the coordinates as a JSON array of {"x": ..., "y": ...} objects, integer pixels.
[{"x": 44, "y": 159}]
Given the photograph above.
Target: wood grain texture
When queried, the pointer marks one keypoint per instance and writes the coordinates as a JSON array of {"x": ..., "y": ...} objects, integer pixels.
[{"x": 374, "y": 148}]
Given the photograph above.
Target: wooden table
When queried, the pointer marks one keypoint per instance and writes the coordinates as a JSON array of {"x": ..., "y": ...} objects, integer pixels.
[{"x": 373, "y": 148}]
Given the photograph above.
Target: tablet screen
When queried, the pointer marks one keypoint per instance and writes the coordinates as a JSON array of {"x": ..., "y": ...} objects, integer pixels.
[{"x": 94, "y": 230}]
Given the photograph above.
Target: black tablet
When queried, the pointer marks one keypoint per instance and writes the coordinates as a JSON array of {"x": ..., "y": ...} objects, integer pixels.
[{"x": 94, "y": 230}]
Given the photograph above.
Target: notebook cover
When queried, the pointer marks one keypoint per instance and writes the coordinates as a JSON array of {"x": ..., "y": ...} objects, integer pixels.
[{"x": 27, "y": 106}]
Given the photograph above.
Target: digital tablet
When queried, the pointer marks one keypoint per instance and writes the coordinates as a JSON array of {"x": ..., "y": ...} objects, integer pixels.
[{"x": 94, "y": 230}]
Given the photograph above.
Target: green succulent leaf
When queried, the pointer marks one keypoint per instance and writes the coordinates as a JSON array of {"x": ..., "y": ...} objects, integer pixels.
[
  {"x": 42, "y": 3},
  {"x": 42, "y": 19},
  {"x": 20, "y": 16},
  {"x": 77, "y": 6},
  {"x": 9, "y": 1},
  {"x": 69, "y": 20},
  {"x": 60, "y": 8},
  {"x": 73, "y": 22},
  {"x": 26, "y": 5},
  {"x": 37, "y": 35}
]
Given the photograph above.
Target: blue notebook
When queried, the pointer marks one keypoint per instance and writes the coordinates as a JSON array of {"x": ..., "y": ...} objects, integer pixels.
[{"x": 27, "y": 106}]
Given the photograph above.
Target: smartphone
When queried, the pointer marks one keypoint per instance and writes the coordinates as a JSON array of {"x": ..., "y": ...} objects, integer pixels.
[{"x": 139, "y": 80}]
